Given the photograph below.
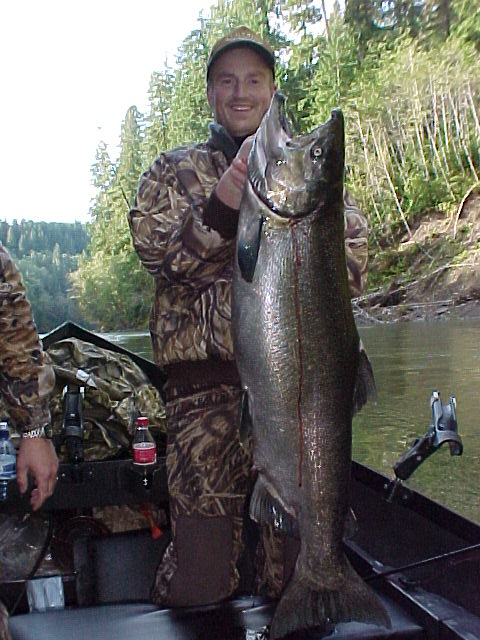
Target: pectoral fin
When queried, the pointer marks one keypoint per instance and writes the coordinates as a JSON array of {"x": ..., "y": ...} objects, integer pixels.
[
  {"x": 245, "y": 422},
  {"x": 365, "y": 389},
  {"x": 267, "y": 508},
  {"x": 248, "y": 245}
]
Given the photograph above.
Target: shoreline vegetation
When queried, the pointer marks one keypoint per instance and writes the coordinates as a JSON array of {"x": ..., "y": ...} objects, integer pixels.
[
  {"x": 405, "y": 75},
  {"x": 440, "y": 276}
]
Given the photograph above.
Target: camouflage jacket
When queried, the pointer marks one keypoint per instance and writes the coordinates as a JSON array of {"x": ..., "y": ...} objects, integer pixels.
[
  {"x": 26, "y": 375},
  {"x": 185, "y": 237}
]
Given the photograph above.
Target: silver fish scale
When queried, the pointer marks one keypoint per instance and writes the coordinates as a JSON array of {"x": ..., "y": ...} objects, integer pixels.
[
  {"x": 297, "y": 352},
  {"x": 283, "y": 311}
]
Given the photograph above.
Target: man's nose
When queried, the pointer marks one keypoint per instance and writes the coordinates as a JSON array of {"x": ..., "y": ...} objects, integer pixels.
[{"x": 241, "y": 89}]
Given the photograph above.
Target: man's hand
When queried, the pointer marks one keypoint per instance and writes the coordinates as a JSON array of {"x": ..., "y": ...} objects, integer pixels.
[
  {"x": 37, "y": 456},
  {"x": 230, "y": 186}
]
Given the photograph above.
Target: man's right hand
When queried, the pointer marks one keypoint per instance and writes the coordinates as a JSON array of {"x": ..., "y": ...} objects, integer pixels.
[
  {"x": 37, "y": 457},
  {"x": 230, "y": 186}
]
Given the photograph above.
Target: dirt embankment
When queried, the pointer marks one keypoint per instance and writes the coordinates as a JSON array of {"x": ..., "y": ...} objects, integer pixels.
[{"x": 433, "y": 273}]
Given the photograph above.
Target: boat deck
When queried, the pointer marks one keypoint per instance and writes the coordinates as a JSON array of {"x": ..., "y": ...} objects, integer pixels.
[
  {"x": 240, "y": 619},
  {"x": 431, "y": 594}
]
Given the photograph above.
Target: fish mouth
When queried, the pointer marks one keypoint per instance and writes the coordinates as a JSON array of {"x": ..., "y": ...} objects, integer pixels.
[{"x": 295, "y": 175}]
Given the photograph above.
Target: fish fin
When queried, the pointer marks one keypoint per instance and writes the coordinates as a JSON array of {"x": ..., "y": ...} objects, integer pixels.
[
  {"x": 351, "y": 525},
  {"x": 245, "y": 421},
  {"x": 267, "y": 509},
  {"x": 248, "y": 246},
  {"x": 307, "y": 606},
  {"x": 365, "y": 389}
]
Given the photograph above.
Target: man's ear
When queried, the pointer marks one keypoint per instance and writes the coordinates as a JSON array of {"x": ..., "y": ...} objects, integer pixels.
[{"x": 210, "y": 97}]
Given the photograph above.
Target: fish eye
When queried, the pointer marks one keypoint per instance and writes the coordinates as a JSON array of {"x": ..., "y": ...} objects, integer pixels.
[{"x": 317, "y": 152}]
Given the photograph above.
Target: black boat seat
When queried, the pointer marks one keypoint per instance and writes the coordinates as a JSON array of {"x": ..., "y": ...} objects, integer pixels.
[
  {"x": 239, "y": 619},
  {"x": 124, "y": 565},
  {"x": 117, "y": 568}
]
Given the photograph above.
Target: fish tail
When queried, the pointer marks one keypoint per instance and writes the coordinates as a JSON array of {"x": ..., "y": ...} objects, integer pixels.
[{"x": 304, "y": 606}]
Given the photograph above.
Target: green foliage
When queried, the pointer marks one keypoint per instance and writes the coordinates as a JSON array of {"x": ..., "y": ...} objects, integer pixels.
[
  {"x": 112, "y": 288},
  {"x": 46, "y": 253},
  {"x": 466, "y": 25},
  {"x": 417, "y": 121},
  {"x": 403, "y": 72}
]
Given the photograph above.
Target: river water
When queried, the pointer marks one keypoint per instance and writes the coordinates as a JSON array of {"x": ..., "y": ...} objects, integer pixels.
[{"x": 410, "y": 360}]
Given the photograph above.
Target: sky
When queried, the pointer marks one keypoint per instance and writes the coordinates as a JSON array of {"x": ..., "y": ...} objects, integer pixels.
[
  {"x": 69, "y": 70},
  {"x": 68, "y": 73}
]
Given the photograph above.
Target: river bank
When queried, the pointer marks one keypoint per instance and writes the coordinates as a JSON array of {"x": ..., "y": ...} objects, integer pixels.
[{"x": 429, "y": 271}]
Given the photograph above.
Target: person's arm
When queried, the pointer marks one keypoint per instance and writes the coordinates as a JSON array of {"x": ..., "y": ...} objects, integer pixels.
[
  {"x": 222, "y": 209},
  {"x": 167, "y": 226},
  {"x": 356, "y": 246},
  {"x": 26, "y": 381}
]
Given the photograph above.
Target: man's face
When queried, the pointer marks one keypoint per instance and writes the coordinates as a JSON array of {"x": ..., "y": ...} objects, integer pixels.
[{"x": 239, "y": 90}]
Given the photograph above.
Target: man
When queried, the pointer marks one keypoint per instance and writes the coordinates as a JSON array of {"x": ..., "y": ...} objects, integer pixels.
[
  {"x": 183, "y": 227},
  {"x": 26, "y": 381}
]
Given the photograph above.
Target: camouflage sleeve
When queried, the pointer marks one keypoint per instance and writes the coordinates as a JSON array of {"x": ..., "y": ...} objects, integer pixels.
[
  {"x": 356, "y": 246},
  {"x": 26, "y": 375},
  {"x": 167, "y": 227}
]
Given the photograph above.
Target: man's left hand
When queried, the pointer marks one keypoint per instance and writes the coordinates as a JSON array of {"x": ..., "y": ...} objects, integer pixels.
[
  {"x": 232, "y": 183},
  {"x": 37, "y": 457}
]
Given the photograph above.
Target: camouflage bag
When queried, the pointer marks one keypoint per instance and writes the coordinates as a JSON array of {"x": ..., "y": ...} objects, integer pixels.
[{"x": 116, "y": 392}]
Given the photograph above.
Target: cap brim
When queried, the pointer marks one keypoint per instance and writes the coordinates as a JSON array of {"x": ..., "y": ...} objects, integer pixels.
[{"x": 267, "y": 56}]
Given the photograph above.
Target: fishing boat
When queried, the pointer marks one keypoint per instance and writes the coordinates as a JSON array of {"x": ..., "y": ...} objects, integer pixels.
[{"x": 422, "y": 559}]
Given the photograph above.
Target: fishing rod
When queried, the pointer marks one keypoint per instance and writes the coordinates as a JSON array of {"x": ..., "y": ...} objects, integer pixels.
[{"x": 451, "y": 555}]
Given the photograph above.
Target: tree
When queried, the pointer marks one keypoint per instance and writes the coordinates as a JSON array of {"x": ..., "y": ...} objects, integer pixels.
[
  {"x": 407, "y": 89},
  {"x": 109, "y": 279},
  {"x": 438, "y": 18},
  {"x": 113, "y": 288},
  {"x": 466, "y": 22}
]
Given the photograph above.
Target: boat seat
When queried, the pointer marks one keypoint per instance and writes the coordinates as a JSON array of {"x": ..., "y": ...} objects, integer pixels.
[
  {"x": 239, "y": 619},
  {"x": 117, "y": 568}
]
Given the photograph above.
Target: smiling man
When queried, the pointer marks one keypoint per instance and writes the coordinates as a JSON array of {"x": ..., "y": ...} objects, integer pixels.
[
  {"x": 239, "y": 90},
  {"x": 183, "y": 226}
]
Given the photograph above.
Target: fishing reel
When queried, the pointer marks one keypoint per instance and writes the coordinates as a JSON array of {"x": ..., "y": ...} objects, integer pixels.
[
  {"x": 444, "y": 429},
  {"x": 73, "y": 427}
]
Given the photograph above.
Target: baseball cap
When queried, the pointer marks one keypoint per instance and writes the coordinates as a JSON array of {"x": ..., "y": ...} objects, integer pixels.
[{"x": 241, "y": 37}]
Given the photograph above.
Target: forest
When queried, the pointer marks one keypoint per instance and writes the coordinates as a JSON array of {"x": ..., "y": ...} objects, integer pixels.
[
  {"x": 404, "y": 73},
  {"x": 46, "y": 253}
]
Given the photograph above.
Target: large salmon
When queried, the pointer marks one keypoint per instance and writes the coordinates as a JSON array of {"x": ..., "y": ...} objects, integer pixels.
[{"x": 299, "y": 358}]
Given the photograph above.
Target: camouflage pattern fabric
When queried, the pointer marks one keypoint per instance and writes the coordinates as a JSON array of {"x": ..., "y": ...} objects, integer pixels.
[
  {"x": 122, "y": 518},
  {"x": 4, "y": 626},
  {"x": 191, "y": 262},
  {"x": 26, "y": 375},
  {"x": 356, "y": 246},
  {"x": 270, "y": 563},
  {"x": 208, "y": 471},
  {"x": 117, "y": 391},
  {"x": 209, "y": 474}
]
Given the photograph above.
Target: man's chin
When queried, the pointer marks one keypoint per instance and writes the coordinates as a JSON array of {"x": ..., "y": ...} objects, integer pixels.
[
  {"x": 239, "y": 126},
  {"x": 242, "y": 131}
]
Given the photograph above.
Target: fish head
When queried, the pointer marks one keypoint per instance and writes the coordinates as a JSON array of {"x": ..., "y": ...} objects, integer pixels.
[{"x": 295, "y": 175}]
